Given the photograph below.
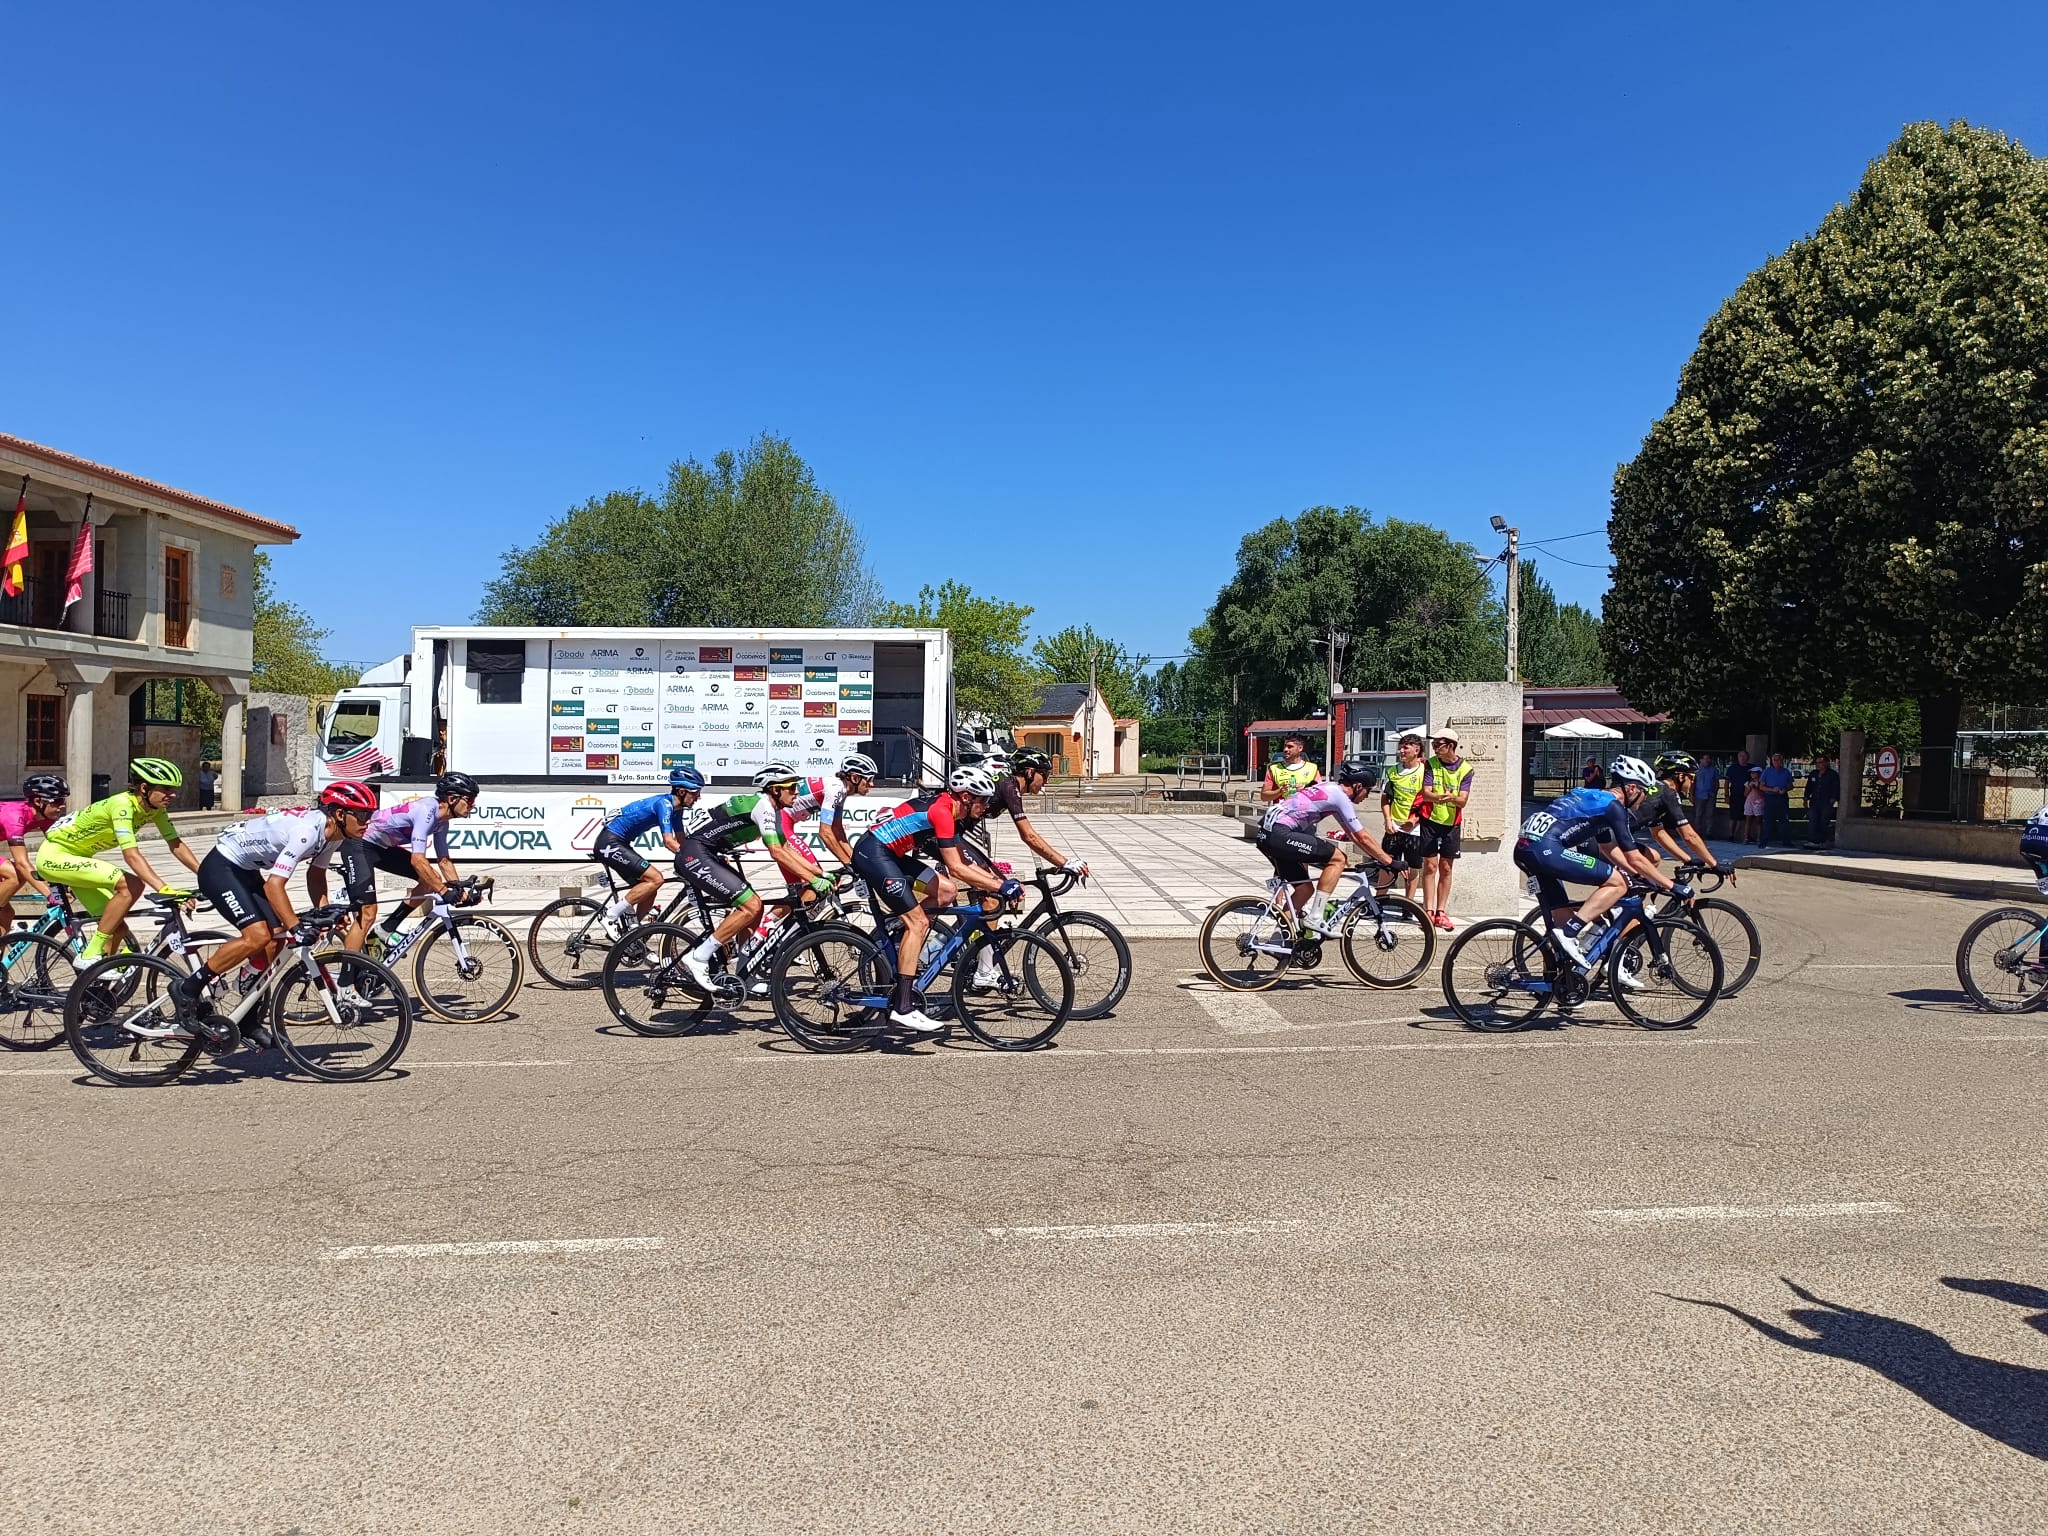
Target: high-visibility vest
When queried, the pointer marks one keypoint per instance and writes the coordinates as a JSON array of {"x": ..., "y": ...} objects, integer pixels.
[
  {"x": 1292, "y": 777},
  {"x": 1401, "y": 786},
  {"x": 1446, "y": 780}
]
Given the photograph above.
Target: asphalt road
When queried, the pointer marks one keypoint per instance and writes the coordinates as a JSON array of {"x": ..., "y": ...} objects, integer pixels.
[{"x": 1334, "y": 1266}]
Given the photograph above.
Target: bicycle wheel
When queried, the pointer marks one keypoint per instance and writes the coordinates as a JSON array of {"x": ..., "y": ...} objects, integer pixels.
[
  {"x": 1030, "y": 998},
  {"x": 1098, "y": 956},
  {"x": 1395, "y": 951},
  {"x": 567, "y": 942},
  {"x": 123, "y": 1031},
  {"x": 1243, "y": 945},
  {"x": 337, "y": 1039},
  {"x": 471, "y": 987},
  {"x": 1741, "y": 946},
  {"x": 1680, "y": 970},
  {"x": 644, "y": 985},
  {"x": 820, "y": 985},
  {"x": 1489, "y": 980},
  {"x": 36, "y": 975},
  {"x": 2002, "y": 960}
]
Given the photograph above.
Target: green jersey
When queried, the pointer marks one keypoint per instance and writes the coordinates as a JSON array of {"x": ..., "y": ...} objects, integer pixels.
[
  {"x": 108, "y": 823},
  {"x": 736, "y": 823}
]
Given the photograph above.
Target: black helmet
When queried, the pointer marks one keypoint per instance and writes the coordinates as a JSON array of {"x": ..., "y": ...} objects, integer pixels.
[
  {"x": 45, "y": 786},
  {"x": 455, "y": 786},
  {"x": 1670, "y": 764},
  {"x": 1030, "y": 757},
  {"x": 1356, "y": 770}
]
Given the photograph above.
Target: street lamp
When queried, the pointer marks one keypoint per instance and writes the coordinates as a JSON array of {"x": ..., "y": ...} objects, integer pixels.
[{"x": 1513, "y": 557}]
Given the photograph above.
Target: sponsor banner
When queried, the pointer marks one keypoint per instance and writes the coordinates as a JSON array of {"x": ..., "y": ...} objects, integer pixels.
[
  {"x": 566, "y": 707},
  {"x": 856, "y": 727},
  {"x": 560, "y": 825},
  {"x": 785, "y": 690},
  {"x": 601, "y": 762},
  {"x": 856, "y": 690},
  {"x": 786, "y": 655},
  {"x": 821, "y": 674},
  {"x": 600, "y": 727},
  {"x": 565, "y": 744},
  {"x": 714, "y": 655},
  {"x": 820, "y": 710},
  {"x": 757, "y": 674}
]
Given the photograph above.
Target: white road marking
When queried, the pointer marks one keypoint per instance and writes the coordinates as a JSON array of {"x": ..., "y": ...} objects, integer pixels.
[
  {"x": 1146, "y": 1229},
  {"x": 1240, "y": 1013},
  {"x": 1984, "y": 1039},
  {"x": 499, "y": 1063},
  {"x": 40, "y": 1071},
  {"x": 485, "y": 1250},
  {"x": 1917, "y": 965},
  {"x": 1750, "y": 1212}
]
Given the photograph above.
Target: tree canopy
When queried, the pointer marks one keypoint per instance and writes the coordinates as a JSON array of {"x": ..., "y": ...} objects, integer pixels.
[
  {"x": 751, "y": 540},
  {"x": 1560, "y": 642},
  {"x": 1064, "y": 658},
  {"x": 1849, "y": 495},
  {"x": 287, "y": 643},
  {"x": 991, "y": 676}
]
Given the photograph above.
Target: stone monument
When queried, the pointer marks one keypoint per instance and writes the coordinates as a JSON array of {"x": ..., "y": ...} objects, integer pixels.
[{"x": 1487, "y": 720}]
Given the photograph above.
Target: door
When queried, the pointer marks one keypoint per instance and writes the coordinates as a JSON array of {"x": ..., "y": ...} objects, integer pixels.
[{"x": 177, "y": 596}]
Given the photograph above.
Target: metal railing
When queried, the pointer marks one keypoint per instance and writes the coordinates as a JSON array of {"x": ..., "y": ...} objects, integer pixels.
[
  {"x": 110, "y": 615},
  {"x": 35, "y": 607}
]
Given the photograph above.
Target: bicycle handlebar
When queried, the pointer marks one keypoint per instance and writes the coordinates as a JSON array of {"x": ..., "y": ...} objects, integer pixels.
[{"x": 1057, "y": 882}]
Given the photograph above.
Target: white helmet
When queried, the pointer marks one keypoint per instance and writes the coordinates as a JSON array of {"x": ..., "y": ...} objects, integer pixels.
[
  {"x": 861, "y": 764},
  {"x": 1631, "y": 770},
  {"x": 776, "y": 773},
  {"x": 971, "y": 779}
]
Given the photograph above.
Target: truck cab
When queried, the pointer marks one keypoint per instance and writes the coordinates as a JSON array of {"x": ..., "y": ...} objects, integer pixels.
[{"x": 364, "y": 737}]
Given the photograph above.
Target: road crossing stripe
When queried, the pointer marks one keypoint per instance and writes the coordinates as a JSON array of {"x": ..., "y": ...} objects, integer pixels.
[
  {"x": 488, "y": 1250},
  {"x": 1750, "y": 1212},
  {"x": 1145, "y": 1229}
]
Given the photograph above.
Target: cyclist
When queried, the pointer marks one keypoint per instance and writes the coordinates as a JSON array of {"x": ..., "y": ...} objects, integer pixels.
[
  {"x": 1552, "y": 844},
  {"x": 396, "y": 842},
  {"x": 890, "y": 858},
  {"x": 41, "y": 804},
  {"x": 106, "y": 891},
  {"x": 856, "y": 776},
  {"x": 247, "y": 878},
  {"x": 1402, "y": 817},
  {"x": 1661, "y": 813},
  {"x": 1291, "y": 843},
  {"x": 614, "y": 846},
  {"x": 711, "y": 835},
  {"x": 1029, "y": 771},
  {"x": 1293, "y": 772}
]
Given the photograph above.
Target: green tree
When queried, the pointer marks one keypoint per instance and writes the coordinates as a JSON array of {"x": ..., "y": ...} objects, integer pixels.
[
  {"x": 990, "y": 674},
  {"x": 1559, "y": 642},
  {"x": 287, "y": 643},
  {"x": 1188, "y": 703},
  {"x": 1064, "y": 658},
  {"x": 1849, "y": 495},
  {"x": 750, "y": 541}
]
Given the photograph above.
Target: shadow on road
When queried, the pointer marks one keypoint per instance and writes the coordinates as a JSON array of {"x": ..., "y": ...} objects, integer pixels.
[
  {"x": 2007, "y": 1402},
  {"x": 1942, "y": 999}
]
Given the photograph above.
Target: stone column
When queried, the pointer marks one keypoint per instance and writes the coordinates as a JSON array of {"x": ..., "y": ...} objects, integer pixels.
[
  {"x": 79, "y": 680},
  {"x": 79, "y": 620},
  {"x": 1487, "y": 719},
  {"x": 1851, "y": 768},
  {"x": 234, "y": 700}
]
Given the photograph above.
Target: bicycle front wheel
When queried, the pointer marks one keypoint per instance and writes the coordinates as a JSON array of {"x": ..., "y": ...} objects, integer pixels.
[
  {"x": 122, "y": 1025},
  {"x": 644, "y": 984},
  {"x": 474, "y": 981},
  {"x": 1012, "y": 990},
  {"x": 2002, "y": 960},
  {"x": 1741, "y": 946},
  {"x": 1243, "y": 945},
  {"x": 1677, "y": 969},
  {"x": 824, "y": 985},
  {"x": 36, "y": 975},
  {"x": 1498, "y": 976},
  {"x": 1395, "y": 951},
  {"x": 340, "y": 1016},
  {"x": 1099, "y": 957},
  {"x": 567, "y": 942}
]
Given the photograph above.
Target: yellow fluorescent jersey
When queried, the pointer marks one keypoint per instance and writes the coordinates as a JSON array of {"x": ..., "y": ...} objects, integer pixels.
[{"x": 1402, "y": 783}]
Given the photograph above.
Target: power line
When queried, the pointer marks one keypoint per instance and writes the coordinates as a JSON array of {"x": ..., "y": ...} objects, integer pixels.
[
  {"x": 1590, "y": 533},
  {"x": 1582, "y": 564}
]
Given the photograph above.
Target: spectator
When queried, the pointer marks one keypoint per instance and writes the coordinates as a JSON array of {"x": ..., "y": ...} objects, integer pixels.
[
  {"x": 1823, "y": 794},
  {"x": 1739, "y": 774},
  {"x": 206, "y": 782},
  {"x": 1704, "y": 782},
  {"x": 1776, "y": 783},
  {"x": 1593, "y": 776},
  {"x": 1446, "y": 786},
  {"x": 1292, "y": 772}
]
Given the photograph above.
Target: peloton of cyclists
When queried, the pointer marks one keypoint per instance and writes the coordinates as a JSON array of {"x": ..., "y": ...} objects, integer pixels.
[
  {"x": 614, "y": 848},
  {"x": 397, "y": 841}
]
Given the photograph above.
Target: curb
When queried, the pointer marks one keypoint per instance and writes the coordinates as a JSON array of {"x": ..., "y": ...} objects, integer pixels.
[{"x": 1976, "y": 887}]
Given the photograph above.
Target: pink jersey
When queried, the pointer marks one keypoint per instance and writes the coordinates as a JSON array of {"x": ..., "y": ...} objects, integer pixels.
[{"x": 18, "y": 818}]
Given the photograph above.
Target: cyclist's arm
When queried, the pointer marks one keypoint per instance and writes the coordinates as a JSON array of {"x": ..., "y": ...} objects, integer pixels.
[
  {"x": 1347, "y": 815},
  {"x": 1050, "y": 856},
  {"x": 17, "y": 851},
  {"x": 964, "y": 873},
  {"x": 277, "y": 889},
  {"x": 835, "y": 841},
  {"x": 316, "y": 885}
]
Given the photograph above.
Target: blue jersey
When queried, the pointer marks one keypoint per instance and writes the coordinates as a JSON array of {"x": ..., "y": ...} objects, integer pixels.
[
  {"x": 654, "y": 811},
  {"x": 1581, "y": 818}
]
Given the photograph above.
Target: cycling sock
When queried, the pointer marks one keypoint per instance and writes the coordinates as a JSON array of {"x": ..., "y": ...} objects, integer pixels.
[
  {"x": 901, "y": 1000},
  {"x": 618, "y": 908},
  {"x": 708, "y": 950},
  {"x": 394, "y": 922},
  {"x": 94, "y": 946},
  {"x": 1575, "y": 927}
]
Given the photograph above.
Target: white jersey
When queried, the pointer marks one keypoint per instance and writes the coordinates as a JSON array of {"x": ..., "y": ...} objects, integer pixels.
[{"x": 278, "y": 843}]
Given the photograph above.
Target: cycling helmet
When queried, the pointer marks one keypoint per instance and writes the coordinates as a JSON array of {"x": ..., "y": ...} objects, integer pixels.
[
  {"x": 349, "y": 795},
  {"x": 685, "y": 778},
  {"x": 156, "y": 772},
  {"x": 1030, "y": 757},
  {"x": 45, "y": 786},
  {"x": 1671, "y": 763},
  {"x": 1356, "y": 770},
  {"x": 455, "y": 786},
  {"x": 971, "y": 779},
  {"x": 861, "y": 764},
  {"x": 1631, "y": 770},
  {"x": 776, "y": 773}
]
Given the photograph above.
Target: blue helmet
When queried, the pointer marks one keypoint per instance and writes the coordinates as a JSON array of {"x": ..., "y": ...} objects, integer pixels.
[{"x": 685, "y": 778}]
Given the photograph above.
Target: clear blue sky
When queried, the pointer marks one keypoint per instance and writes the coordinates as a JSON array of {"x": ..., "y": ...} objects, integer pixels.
[{"x": 1060, "y": 301}]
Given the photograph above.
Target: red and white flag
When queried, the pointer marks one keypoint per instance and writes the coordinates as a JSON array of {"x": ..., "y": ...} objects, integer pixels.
[{"x": 81, "y": 560}]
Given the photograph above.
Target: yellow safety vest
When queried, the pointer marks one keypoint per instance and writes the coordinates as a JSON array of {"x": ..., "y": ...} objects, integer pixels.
[
  {"x": 1401, "y": 786},
  {"x": 1446, "y": 780},
  {"x": 1290, "y": 779}
]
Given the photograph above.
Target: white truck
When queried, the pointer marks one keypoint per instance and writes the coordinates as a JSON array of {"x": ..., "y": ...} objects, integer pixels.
[{"x": 562, "y": 726}]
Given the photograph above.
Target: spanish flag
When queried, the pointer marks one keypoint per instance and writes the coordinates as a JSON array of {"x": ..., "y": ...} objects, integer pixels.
[{"x": 17, "y": 546}]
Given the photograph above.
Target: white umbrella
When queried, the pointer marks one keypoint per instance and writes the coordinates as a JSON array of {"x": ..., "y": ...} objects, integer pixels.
[{"x": 1582, "y": 729}]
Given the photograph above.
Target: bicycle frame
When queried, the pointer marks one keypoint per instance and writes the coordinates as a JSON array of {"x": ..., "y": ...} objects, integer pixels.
[{"x": 970, "y": 920}]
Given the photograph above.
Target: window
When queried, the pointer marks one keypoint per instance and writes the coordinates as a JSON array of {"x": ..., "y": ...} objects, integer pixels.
[
  {"x": 45, "y": 725},
  {"x": 177, "y": 596},
  {"x": 353, "y": 724},
  {"x": 499, "y": 667}
]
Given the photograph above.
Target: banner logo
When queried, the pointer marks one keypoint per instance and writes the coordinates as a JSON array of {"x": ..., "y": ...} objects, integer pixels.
[
  {"x": 750, "y": 674},
  {"x": 786, "y": 655},
  {"x": 821, "y": 674},
  {"x": 710, "y": 654},
  {"x": 600, "y": 761},
  {"x": 820, "y": 710},
  {"x": 565, "y": 707},
  {"x": 855, "y": 727},
  {"x": 565, "y": 743}
]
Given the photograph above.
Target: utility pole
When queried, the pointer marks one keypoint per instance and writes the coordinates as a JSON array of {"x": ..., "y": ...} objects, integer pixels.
[
  {"x": 1338, "y": 639},
  {"x": 1513, "y": 557},
  {"x": 1088, "y": 717}
]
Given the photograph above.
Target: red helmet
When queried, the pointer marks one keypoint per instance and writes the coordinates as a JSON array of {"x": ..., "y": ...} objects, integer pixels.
[{"x": 349, "y": 795}]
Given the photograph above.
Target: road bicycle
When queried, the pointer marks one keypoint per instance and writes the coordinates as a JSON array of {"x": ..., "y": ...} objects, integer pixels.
[
  {"x": 569, "y": 939},
  {"x": 1248, "y": 943},
  {"x": 648, "y": 991},
  {"x": 2002, "y": 959},
  {"x": 1012, "y": 989},
  {"x": 40, "y": 960},
  {"x": 1094, "y": 948},
  {"x": 1662, "y": 970},
  {"x": 335, "y": 1015},
  {"x": 466, "y": 968},
  {"x": 1729, "y": 926}
]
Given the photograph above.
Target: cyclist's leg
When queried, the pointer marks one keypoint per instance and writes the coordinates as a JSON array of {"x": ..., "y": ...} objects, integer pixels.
[
  {"x": 94, "y": 883},
  {"x": 235, "y": 894},
  {"x": 894, "y": 887},
  {"x": 641, "y": 879},
  {"x": 1290, "y": 853},
  {"x": 724, "y": 889}
]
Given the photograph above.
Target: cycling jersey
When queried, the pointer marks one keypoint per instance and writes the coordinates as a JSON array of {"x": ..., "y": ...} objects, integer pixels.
[
  {"x": 1303, "y": 809},
  {"x": 1008, "y": 800},
  {"x": 1661, "y": 807},
  {"x": 108, "y": 823},
  {"x": 1579, "y": 817},
  {"x": 278, "y": 843},
  {"x": 922, "y": 825},
  {"x": 1447, "y": 779},
  {"x": 413, "y": 826},
  {"x": 655, "y": 811},
  {"x": 736, "y": 823},
  {"x": 18, "y": 818}
]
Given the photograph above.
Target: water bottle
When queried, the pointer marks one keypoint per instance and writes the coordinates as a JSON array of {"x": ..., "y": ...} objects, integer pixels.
[{"x": 932, "y": 945}]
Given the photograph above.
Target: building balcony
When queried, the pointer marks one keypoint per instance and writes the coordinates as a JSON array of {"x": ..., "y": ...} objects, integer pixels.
[{"x": 37, "y": 607}]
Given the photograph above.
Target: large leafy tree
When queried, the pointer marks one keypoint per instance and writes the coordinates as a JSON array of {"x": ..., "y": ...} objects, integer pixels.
[
  {"x": 749, "y": 540},
  {"x": 1559, "y": 642},
  {"x": 991, "y": 676},
  {"x": 1850, "y": 494},
  {"x": 1064, "y": 658},
  {"x": 1187, "y": 706}
]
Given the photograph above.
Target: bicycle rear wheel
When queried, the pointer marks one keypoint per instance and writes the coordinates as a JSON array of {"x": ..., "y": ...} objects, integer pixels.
[
  {"x": 1030, "y": 998},
  {"x": 2002, "y": 960},
  {"x": 1395, "y": 951},
  {"x": 338, "y": 1040},
  {"x": 36, "y": 975},
  {"x": 1099, "y": 957},
  {"x": 470, "y": 987},
  {"x": 1680, "y": 970},
  {"x": 1498, "y": 975},
  {"x": 819, "y": 984},
  {"x": 1243, "y": 945},
  {"x": 644, "y": 984},
  {"x": 122, "y": 1025},
  {"x": 567, "y": 942},
  {"x": 1741, "y": 946}
]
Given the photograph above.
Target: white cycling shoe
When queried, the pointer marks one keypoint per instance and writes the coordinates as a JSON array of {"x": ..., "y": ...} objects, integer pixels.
[
  {"x": 1569, "y": 946},
  {"x": 986, "y": 979},
  {"x": 1626, "y": 976},
  {"x": 699, "y": 972},
  {"x": 917, "y": 1022}
]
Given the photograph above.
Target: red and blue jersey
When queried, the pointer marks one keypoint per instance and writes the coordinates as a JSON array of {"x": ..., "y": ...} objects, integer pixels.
[{"x": 920, "y": 825}]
